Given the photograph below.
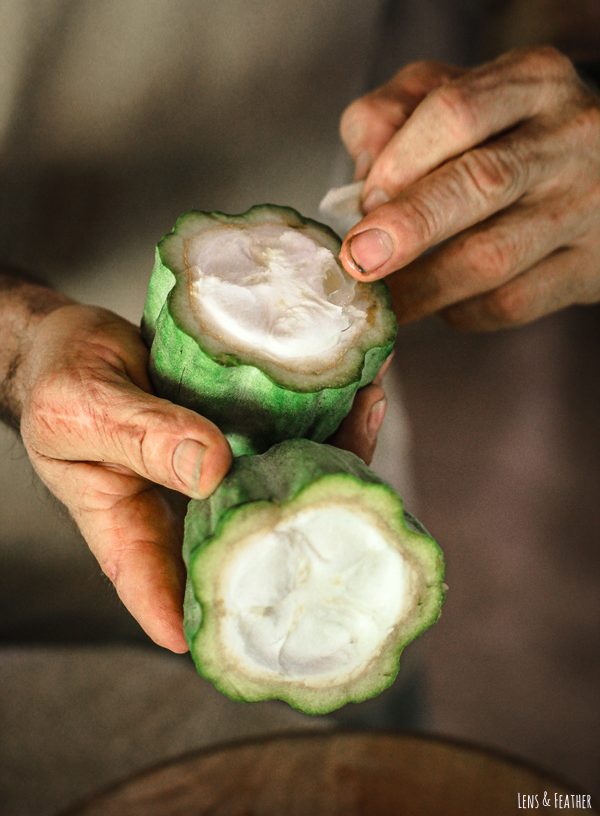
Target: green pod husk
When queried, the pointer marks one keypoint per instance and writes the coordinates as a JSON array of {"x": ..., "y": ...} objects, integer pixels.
[
  {"x": 260, "y": 493},
  {"x": 253, "y": 401}
]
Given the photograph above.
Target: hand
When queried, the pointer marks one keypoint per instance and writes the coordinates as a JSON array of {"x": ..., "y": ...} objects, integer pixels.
[
  {"x": 496, "y": 171},
  {"x": 103, "y": 444},
  {"x": 358, "y": 431}
]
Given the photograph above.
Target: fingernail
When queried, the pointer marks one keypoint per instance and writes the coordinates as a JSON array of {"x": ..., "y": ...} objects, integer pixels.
[
  {"x": 187, "y": 463},
  {"x": 384, "y": 369},
  {"x": 374, "y": 199},
  {"x": 376, "y": 417},
  {"x": 371, "y": 249},
  {"x": 362, "y": 165}
]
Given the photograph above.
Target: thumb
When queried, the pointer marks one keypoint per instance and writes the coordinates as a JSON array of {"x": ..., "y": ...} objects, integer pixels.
[{"x": 119, "y": 424}]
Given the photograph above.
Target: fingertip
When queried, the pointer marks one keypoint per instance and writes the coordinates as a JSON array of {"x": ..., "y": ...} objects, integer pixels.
[
  {"x": 351, "y": 265},
  {"x": 375, "y": 418},
  {"x": 373, "y": 198},
  {"x": 167, "y": 632},
  {"x": 384, "y": 369},
  {"x": 188, "y": 464},
  {"x": 348, "y": 262},
  {"x": 358, "y": 431},
  {"x": 362, "y": 164},
  {"x": 216, "y": 463},
  {"x": 366, "y": 253},
  {"x": 164, "y": 623},
  {"x": 173, "y": 641},
  {"x": 200, "y": 460}
]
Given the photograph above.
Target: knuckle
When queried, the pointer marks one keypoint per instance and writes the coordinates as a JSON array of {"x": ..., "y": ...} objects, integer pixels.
[
  {"x": 488, "y": 257},
  {"x": 136, "y": 436},
  {"x": 140, "y": 437},
  {"x": 587, "y": 124},
  {"x": 354, "y": 120},
  {"x": 459, "y": 317},
  {"x": 492, "y": 173},
  {"x": 420, "y": 220},
  {"x": 417, "y": 68},
  {"x": 547, "y": 60},
  {"x": 457, "y": 107},
  {"x": 408, "y": 78},
  {"x": 509, "y": 305}
]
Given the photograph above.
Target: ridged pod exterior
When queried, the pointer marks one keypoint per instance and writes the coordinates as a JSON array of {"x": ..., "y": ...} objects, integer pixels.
[
  {"x": 255, "y": 404},
  {"x": 257, "y": 491}
]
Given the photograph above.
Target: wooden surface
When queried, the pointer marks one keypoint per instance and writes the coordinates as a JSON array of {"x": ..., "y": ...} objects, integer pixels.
[{"x": 333, "y": 774}]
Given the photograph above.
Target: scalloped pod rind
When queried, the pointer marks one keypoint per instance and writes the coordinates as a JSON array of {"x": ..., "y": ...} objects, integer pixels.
[
  {"x": 255, "y": 405},
  {"x": 258, "y": 489}
]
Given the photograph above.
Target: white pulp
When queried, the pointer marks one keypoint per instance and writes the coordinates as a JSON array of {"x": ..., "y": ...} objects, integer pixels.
[
  {"x": 316, "y": 597},
  {"x": 273, "y": 290}
]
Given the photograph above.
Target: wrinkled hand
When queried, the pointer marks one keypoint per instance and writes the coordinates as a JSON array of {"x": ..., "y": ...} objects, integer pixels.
[
  {"x": 496, "y": 170},
  {"x": 103, "y": 444}
]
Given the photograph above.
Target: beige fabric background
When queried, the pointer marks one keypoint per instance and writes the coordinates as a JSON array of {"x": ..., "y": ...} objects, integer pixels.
[{"x": 114, "y": 118}]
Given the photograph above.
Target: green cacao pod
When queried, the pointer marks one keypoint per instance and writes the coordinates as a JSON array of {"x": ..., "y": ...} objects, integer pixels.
[
  {"x": 252, "y": 322},
  {"x": 306, "y": 579}
]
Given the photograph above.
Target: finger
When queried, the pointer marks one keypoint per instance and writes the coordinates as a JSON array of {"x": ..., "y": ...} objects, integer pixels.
[
  {"x": 378, "y": 379},
  {"x": 462, "y": 113},
  {"x": 368, "y": 124},
  {"x": 556, "y": 282},
  {"x": 484, "y": 257},
  {"x": 132, "y": 531},
  {"x": 358, "y": 431},
  {"x": 452, "y": 198},
  {"x": 116, "y": 422}
]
